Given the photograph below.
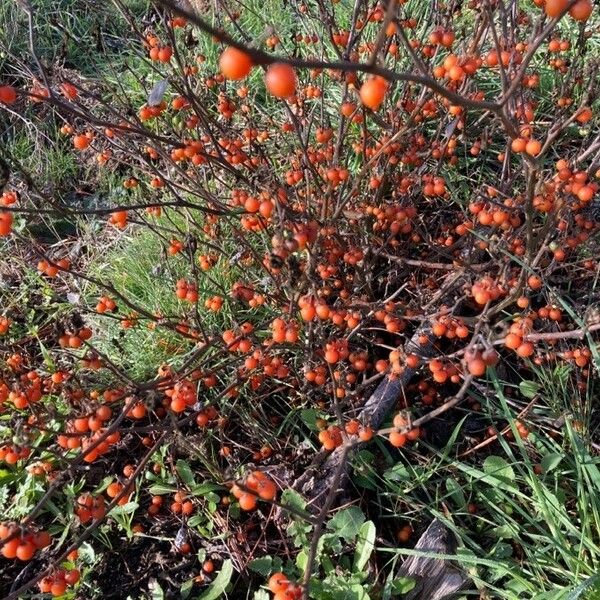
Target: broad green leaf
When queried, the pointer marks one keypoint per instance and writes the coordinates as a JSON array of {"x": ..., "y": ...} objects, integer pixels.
[
  {"x": 293, "y": 499},
  {"x": 160, "y": 489},
  {"x": 529, "y": 389},
  {"x": 217, "y": 587},
  {"x": 126, "y": 509},
  {"x": 402, "y": 585},
  {"x": 185, "y": 472},
  {"x": 206, "y": 489},
  {"x": 456, "y": 492},
  {"x": 264, "y": 565},
  {"x": 499, "y": 469},
  {"x": 364, "y": 545},
  {"x": 551, "y": 461},
  {"x": 347, "y": 522},
  {"x": 186, "y": 589}
]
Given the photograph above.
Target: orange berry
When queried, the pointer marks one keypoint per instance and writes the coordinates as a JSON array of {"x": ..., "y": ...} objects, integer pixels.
[
  {"x": 280, "y": 80},
  {"x": 235, "y": 64},
  {"x": 372, "y": 92}
]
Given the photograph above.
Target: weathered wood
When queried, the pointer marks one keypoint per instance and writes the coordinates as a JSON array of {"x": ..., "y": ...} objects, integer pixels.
[
  {"x": 315, "y": 483},
  {"x": 437, "y": 579}
]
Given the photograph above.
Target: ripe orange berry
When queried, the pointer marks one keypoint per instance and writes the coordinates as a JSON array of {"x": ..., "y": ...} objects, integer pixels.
[
  {"x": 397, "y": 439},
  {"x": 581, "y": 10},
  {"x": 525, "y": 349},
  {"x": 533, "y": 147},
  {"x": 235, "y": 64},
  {"x": 248, "y": 501},
  {"x": 81, "y": 142},
  {"x": 280, "y": 80},
  {"x": 554, "y": 8},
  {"x": 8, "y": 95},
  {"x": 25, "y": 551},
  {"x": 278, "y": 582},
  {"x": 372, "y": 92}
]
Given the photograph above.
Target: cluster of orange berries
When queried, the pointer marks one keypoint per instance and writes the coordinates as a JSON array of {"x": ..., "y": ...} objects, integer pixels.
[
  {"x": 399, "y": 437},
  {"x": 187, "y": 291},
  {"x": 207, "y": 261},
  {"x": 86, "y": 443},
  {"x": 175, "y": 247},
  {"x": 118, "y": 218},
  {"x": 449, "y": 327},
  {"x": 159, "y": 53},
  {"x": 336, "y": 351},
  {"x": 11, "y": 454},
  {"x": 354, "y": 427},
  {"x": 456, "y": 69},
  {"x": 115, "y": 488},
  {"x": 580, "y": 356},
  {"x": 434, "y": 186},
  {"x": 6, "y": 221},
  {"x": 206, "y": 416},
  {"x": 8, "y": 198},
  {"x": 515, "y": 337},
  {"x": 442, "y": 370},
  {"x": 20, "y": 544},
  {"x": 442, "y": 37},
  {"x": 89, "y": 507},
  {"x": 52, "y": 269},
  {"x": 259, "y": 483},
  {"x": 75, "y": 340},
  {"x": 82, "y": 141},
  {"x": 284, "y": 332},
  {"x": 182, "y": 395},
  {"x": 236, "y": 340},
  {"x": 331, "y": 437},
  {"x": 478, "y": 361},
  {"x": 282, "y": 588},
  {"x": 28, "y": 392},
  {"x": 57, "y": 583},
  {"x": 579, "y": 11},
  {"x": 180, "y": 505},
  {"x": 5, "y": 323},
  {"x": 105, "y": 303},
  {"x": 317, "y": 375},
  {"x": 530, "y": 146},
  {"x": 214, "y": 303},
  {"x": 486, "y": 290}
]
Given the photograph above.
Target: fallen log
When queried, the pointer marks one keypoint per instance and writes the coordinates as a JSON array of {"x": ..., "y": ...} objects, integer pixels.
[{"x": 436, "y": 578}]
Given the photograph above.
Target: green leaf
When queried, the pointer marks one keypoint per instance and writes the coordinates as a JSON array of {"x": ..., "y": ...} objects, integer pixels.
[
  {"x": 205, "y": 489},
  {"x": 217, "y": 587},
  {"x": 529, "y": 389},
  {"x": 551, "y": 461},
  {"x": 398, "y": 473},
  {"x": 156, "y": 592},
  {"x": 310, "y": 416},
  {"x": 301, "y": 560},
  {"x": 499, "y": 469},
  {"x": 261, "y": 595},
  {"x": 364, "y": 545},
  {"x": 347, "y": 522},
  {"x": 456, "y": 492},
  {"x": 263, "y": 565},
  {"x": 196, "y": 520},
  {"x": 160, "y": 489},
  {"x": 185, "y": 472},
  {"x": 186, "y": 589},
  {"x": 293, "y": 499},
  {"x": 126, "y": 509},
  {"x": 402, "y": 585}
]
